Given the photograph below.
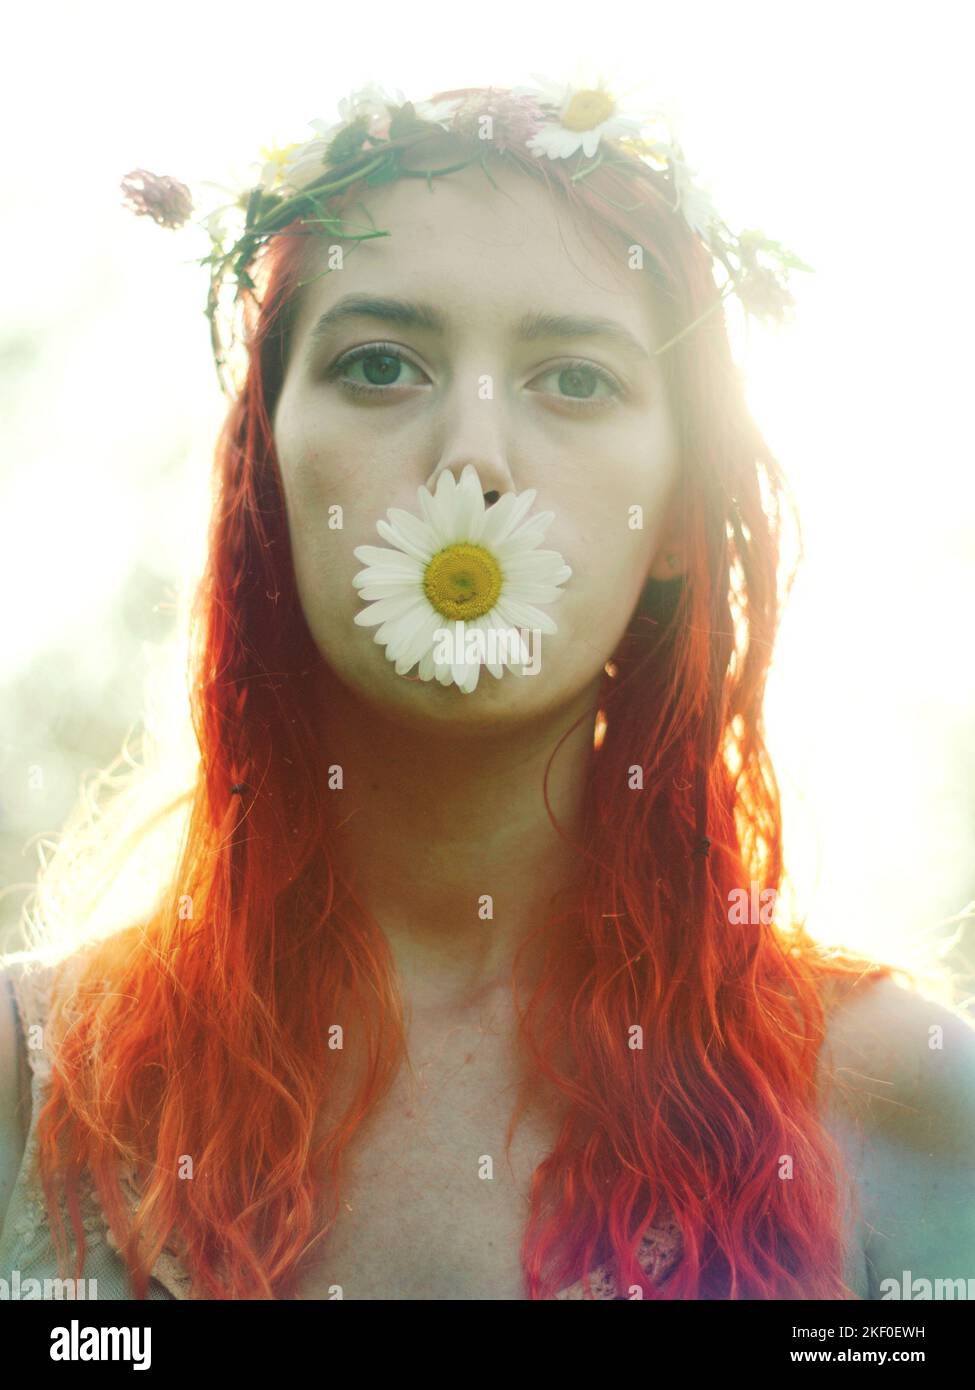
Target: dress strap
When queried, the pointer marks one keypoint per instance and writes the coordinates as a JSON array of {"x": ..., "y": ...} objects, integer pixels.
[
  {"x": 661, "y": 1250},
  {"x": 35, "y": 980},
  {"x": 32, "y": 979}
]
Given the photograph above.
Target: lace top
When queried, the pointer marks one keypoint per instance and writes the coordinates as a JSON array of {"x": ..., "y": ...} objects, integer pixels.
[{"x": 27, "y": 1250}]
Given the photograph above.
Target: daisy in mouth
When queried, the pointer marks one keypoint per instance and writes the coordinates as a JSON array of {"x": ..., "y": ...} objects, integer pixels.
[{"x": 464, "y": 566}]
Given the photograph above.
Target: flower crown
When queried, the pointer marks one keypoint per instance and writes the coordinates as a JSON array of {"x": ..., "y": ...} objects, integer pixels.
[{"x": 551, "y": 121}]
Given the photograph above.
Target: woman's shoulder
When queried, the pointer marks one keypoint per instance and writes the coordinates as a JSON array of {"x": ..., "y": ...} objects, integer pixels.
[
  {"x": 893, "y": 1055},
  {"x": 27, "y": 975},
  {"x": 25, "y": 985},
  {"x": 898, "y": 1069},
  {"x": 30, "y": 984},
  {"x": 14, "y": 1091},
  {"x": 29, "y": 980}
]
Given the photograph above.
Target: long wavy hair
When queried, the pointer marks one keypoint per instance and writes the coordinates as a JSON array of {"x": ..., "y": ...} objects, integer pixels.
[{"x": 680, "y": 1044}]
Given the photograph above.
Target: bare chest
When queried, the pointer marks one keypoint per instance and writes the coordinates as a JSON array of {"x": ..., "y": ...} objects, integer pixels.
[
  {"x": 854, "y": 1157},
  {"x": 432, "y": 1206}
]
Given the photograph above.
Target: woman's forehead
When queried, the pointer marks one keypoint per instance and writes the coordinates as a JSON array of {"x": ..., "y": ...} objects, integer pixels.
[
  {"x": 465, "y": 211},
  {"x": 467, "y": 249}
]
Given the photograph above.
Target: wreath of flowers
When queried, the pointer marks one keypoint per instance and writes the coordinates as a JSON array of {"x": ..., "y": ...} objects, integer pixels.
[{"x": 551, "y": 120}]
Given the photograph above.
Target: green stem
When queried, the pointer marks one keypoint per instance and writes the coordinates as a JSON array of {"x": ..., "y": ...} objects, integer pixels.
[
  {"x": 337, "y": 225},
  {"x": 282, "y": 215},
  {"x": 584, "y": 173},
  {"x": 487, "y": 171},
  {"x": 700, "y": 319},
  {"x": 429, "y": 174}
]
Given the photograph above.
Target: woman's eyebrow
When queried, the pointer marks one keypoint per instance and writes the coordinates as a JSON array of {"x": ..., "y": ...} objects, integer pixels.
[{"x": 407, "y": 313}]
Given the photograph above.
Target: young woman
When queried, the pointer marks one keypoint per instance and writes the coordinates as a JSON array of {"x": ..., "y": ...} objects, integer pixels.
[{"x": 470, "y": 980}]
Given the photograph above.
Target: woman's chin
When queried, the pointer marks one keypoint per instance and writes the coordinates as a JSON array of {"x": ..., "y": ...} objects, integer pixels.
[{"x": 510, "y": 698}]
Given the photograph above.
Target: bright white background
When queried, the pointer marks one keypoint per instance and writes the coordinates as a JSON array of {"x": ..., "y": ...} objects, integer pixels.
[{"x": 842, "y": 130}]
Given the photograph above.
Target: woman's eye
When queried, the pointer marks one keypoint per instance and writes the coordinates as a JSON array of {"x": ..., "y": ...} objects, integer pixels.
[
  {"x": 378, "y": 366},
  {"x": 381, "y": 366},
  {"x": 584, "y": 385}
]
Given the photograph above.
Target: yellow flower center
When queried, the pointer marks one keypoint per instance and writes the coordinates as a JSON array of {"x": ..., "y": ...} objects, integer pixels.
[
  {"x": 463, "y": 581},
  {"x": 588, "y": 109},
  {"x": 278, "y": 155}
]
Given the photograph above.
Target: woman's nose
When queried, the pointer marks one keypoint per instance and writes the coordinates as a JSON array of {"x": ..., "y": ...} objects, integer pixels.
[
  {"x": 476, "y": 435},
  {"x": 491, "y": 494},
  {"x": 491, "y": 483}
]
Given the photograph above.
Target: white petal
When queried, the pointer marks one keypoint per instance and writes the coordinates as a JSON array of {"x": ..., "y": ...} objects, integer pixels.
[
  {"x": 407, "y": 629},
  {"x": 490, "y": 623},
  {"x": 518, "y": 614},
  {"x": 396, "y": 625},
  {"x": 421, "y": 644},
  {"x": 544, "y": 579},
  {"x": 371, "y": 592},
  {"x": 451, "y": 504},
  {"x": 439, "y": 523},
  {"x": 526, "y": 537},
  {"x": 555, "y": 141},
  {"x": 446, "y": 485},
  {"x": 506, "y": 515},
  {"x": 417, "y": 532},
  {"x": 557, "y": 93},
  {"x": 503, "y": 620},
  {"x": 385, "y": 609},
  {"x": 469, "y": 505},
  {"x": 496, "y": 518},
  {"x": 385, "y": 574},
  {"x": 533, "y": 593},
  {"x": 396, "y": 538},
  {"x": 378, "y": 555},
  {"x": 534, "y": 564}
]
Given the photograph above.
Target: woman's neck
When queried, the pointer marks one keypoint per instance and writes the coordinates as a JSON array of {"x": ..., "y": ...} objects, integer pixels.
[{"x": 447, "y": 840}]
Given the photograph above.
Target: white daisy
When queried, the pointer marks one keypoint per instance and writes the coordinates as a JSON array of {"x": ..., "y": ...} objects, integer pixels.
[
  {"x": 462, "y": 563},
  {"x": 694, "y": 201},
  {"x": 586, "y": 114},
  {"x": 237, "y": 185},
  {"x": 371, "y": 101},
  {"x": 296, "y": 166},
  {"x": 438, "y": 112}
]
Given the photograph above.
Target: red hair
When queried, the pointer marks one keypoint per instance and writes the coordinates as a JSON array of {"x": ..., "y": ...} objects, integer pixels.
[{"x": 206, "y": 1032}]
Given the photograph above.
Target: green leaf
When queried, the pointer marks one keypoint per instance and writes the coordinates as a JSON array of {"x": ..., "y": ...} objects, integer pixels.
[
  {"x": 405, "y": 121},
  {"x": 253, "y": 206},
  {"x": 348, "y": 142}
]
